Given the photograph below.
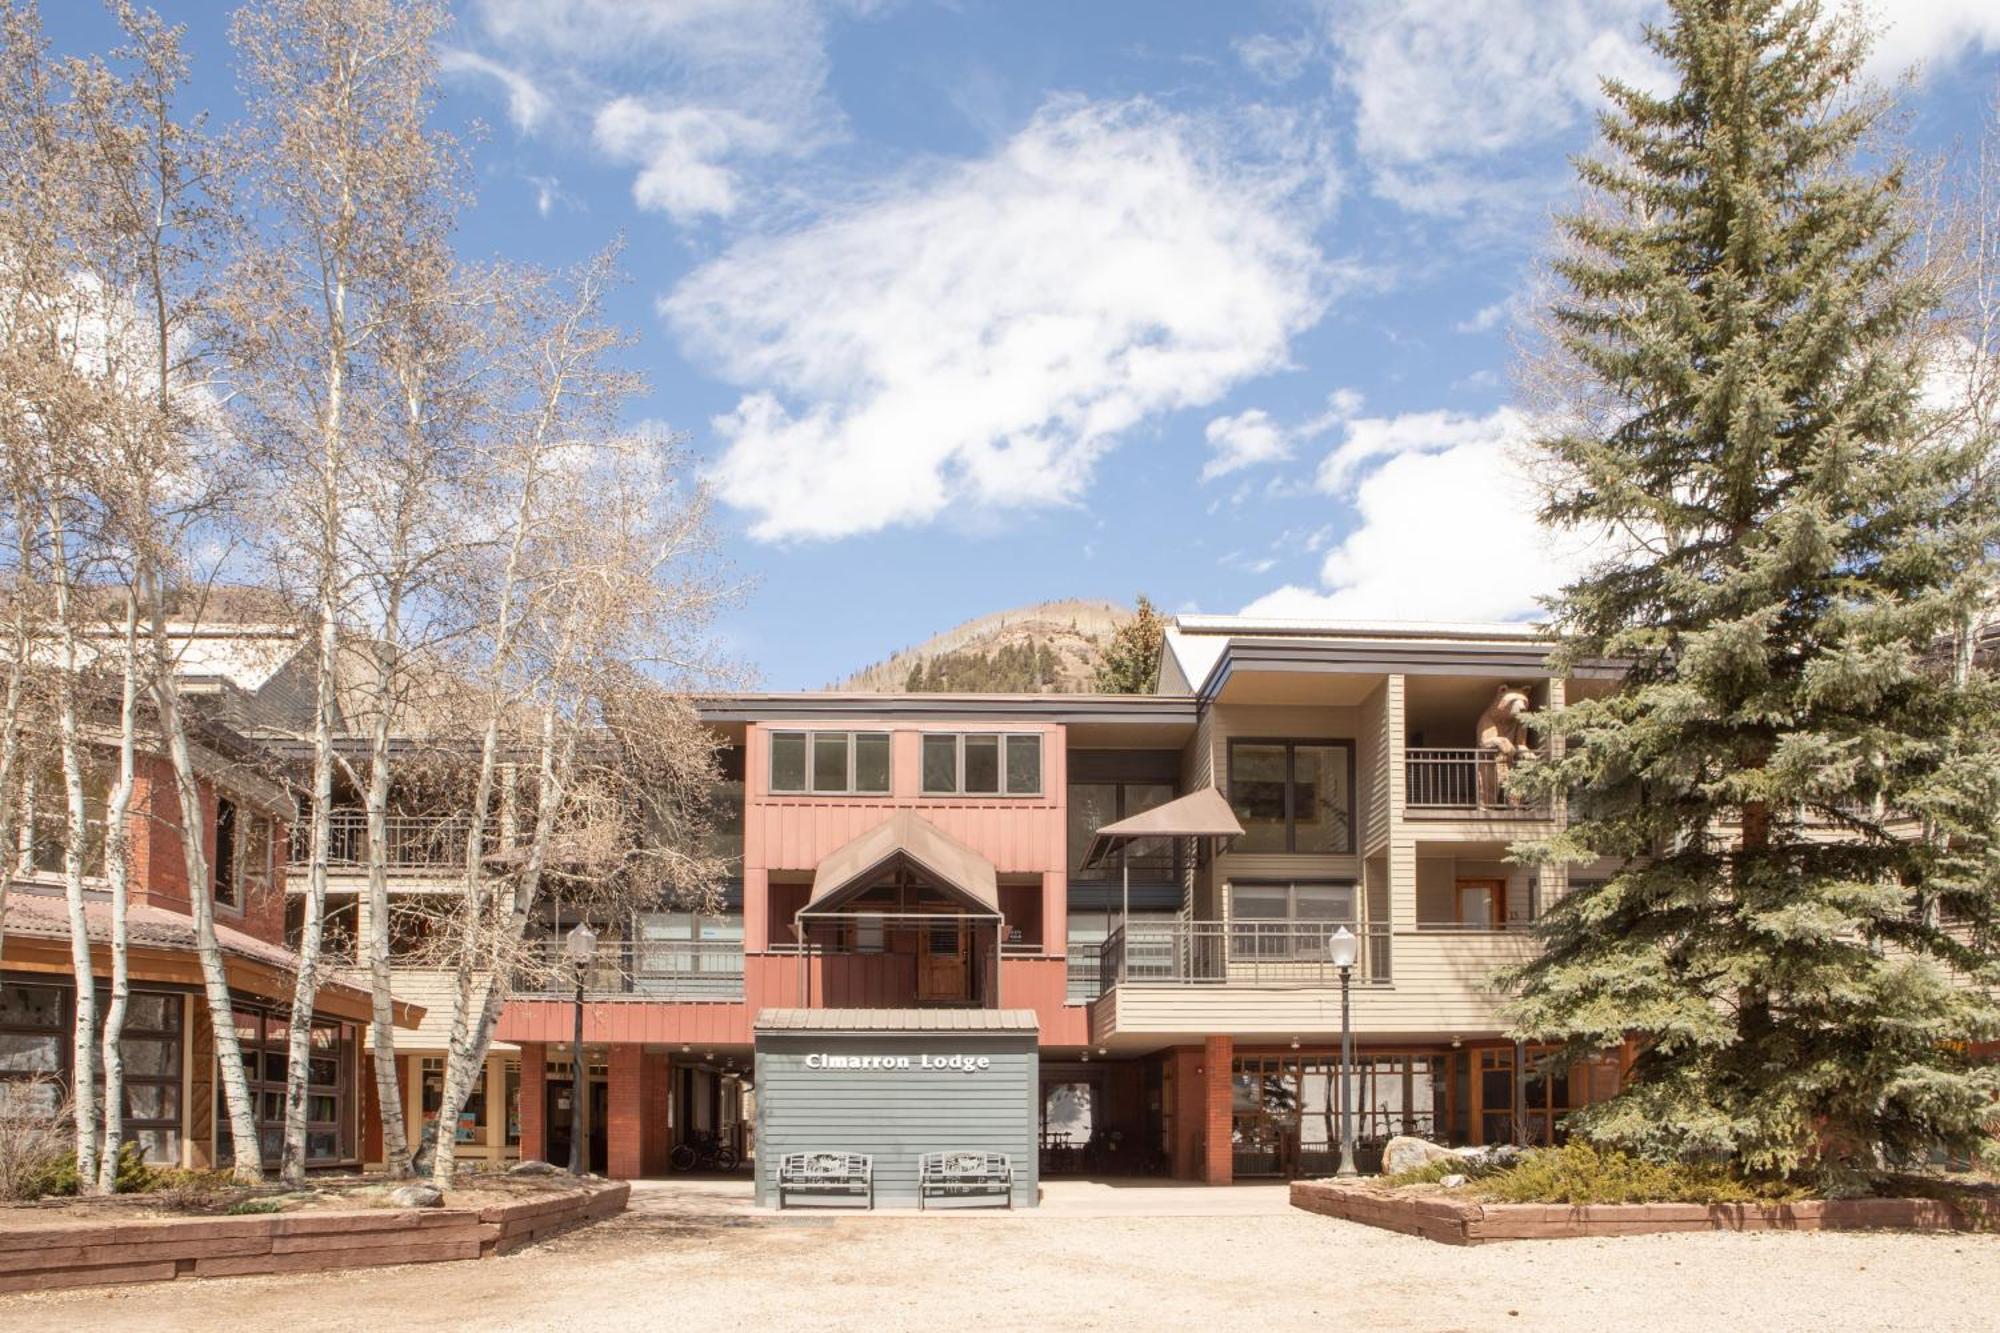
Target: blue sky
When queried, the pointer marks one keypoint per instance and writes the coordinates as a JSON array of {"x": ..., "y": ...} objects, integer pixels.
[{"x": 967, "y": 305}]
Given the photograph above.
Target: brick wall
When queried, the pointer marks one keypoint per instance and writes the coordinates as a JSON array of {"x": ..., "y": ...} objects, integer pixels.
[
  {"x": 1218, "y": 1165},
  {"x": 534, "y": 1104},
  {"x": 624, "y": 1130},
  {"x": 655, "y": 1088}
]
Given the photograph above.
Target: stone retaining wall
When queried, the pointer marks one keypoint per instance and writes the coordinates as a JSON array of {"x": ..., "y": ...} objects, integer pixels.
[
  {"x": 88, "y": 1254},
  {"x": 1454, "y": 1222}
]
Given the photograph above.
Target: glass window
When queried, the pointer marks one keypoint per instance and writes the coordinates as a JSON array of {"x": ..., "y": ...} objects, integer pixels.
[
  {"x": 982, "y": 765},
  {"x": 1091, "y": 806},
  {"x": 829, "y": 749},
  {"x": 1257, "y": 791},
  {"x": 871, "y": 761},
  {"x": 941, "y": 764},
  {"x": 1024, "y": 765},
  {"x": 788, "y": 761},
  {"x": 223, "y": 873},
  {"x": 1286, "y": 921},
  {"x": 1293, "y": 796}
]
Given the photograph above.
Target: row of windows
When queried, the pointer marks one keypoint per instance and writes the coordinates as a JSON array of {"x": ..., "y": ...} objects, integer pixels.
[{"x": 952, "y": 763}]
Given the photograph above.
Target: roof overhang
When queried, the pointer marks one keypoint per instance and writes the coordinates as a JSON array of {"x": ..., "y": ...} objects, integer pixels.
[
  {"x": 954, "y": 868},
  {"x": 1199, "y": 814}
]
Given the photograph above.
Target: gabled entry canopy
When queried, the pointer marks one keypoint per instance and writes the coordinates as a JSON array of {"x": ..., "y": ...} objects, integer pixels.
[
  {"x": 1199, "y": 814},
  {"x": 941, "y": 860}
]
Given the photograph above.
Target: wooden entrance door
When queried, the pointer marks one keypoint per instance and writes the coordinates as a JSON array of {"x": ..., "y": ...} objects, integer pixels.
[
  {"x": 944, "y": 957},
  {"x": 1482, "y": 903}
]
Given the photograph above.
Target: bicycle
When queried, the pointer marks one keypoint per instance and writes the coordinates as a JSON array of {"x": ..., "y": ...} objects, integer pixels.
[{"x": 702, "y": 1152}]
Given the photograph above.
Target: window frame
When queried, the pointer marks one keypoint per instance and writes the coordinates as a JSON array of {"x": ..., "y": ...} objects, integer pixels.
[
  {"x": 1291, "y": 745},
  {"x": 810, "y": 736},
  {"x": 1003, "y": 748}
]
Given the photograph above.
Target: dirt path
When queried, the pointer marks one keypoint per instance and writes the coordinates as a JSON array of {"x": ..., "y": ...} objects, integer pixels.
[{"x": 689, "y": 1259}]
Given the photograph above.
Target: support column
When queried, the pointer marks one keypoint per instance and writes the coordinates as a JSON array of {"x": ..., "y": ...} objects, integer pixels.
[
  {"x": 655, "y": 1085},
  {"x": 624, "y": 1141},
  {"x": 534, "y": 1103},
  {"x": 1218, "y": 1161}
]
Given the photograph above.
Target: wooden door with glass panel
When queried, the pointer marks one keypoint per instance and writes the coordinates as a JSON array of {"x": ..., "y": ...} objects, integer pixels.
[
  {"x": 1482, "y": 904},
  {"x": 944, "y": 955}
]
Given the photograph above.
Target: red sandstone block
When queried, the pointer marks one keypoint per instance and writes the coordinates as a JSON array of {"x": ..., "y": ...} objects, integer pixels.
[
  {"x": 56, "y": 1279},
  {"x": 99, "y": 1233},
  {"x": 467, "y": 1229},
  {"x": 308, "y": 1261},
  {"x": 164, "y": 1250}
]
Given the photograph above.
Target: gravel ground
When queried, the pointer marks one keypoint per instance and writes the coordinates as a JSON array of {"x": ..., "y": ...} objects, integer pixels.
[{"x": 693, "y": 1258}]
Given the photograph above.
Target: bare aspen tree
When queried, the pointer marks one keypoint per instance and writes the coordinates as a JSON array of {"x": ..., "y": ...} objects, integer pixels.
[
  {"x": 150, "y": 217},
  {"x": 599, "y": 561},
  {"x": 342, "y": 91},
  {"x": 31, "y": 265}
]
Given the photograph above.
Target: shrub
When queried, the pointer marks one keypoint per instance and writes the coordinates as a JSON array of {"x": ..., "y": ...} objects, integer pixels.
[
  {"x": 245, "y": 1206},
  {"x": 1580, "y": 1173},
  {"x": 36, "y": 1139},
  {"x": 182, "y": 1188}
]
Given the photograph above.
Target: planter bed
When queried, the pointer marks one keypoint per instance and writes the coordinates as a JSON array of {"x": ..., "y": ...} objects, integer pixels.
[
  {"x": 1438, "y": 1217},
  {"x": 45, "y": 1255}
]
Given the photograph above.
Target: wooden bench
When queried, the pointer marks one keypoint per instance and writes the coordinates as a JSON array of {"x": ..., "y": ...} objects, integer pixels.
[
  {"x": 957, "y": 1175},
  {"x": 827, "y": 1174}
]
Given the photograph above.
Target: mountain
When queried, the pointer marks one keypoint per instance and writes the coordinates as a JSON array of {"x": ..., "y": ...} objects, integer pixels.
[{"x": 1047, "y": 648}]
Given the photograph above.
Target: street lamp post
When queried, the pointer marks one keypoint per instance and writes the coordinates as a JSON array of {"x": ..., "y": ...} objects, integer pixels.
[
  {"x": 1341, "y": 949},
  {"x": 578, "y": 948}
]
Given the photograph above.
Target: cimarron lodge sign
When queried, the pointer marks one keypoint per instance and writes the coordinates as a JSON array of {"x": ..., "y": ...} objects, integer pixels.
[{"x": 963, "y": 1064}]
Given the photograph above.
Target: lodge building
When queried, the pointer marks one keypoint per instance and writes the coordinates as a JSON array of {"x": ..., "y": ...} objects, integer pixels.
[{"x": 1086, "y": 930}]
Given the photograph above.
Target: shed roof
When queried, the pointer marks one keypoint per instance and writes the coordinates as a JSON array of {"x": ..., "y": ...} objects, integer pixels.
[
  {"x": 1199, "y": 814},
  {"x": 896, "y": 1020}
]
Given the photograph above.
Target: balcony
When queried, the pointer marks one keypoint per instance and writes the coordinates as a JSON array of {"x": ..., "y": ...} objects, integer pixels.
[
  {"x": 415, "y": 843},
  {"x": 1236, "y": 953},
  {"x": 1463, "y": 783},
  {"x": 676, "y": 970}
]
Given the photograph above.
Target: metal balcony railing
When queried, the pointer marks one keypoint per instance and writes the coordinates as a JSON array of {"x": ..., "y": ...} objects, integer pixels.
[
  {"x": 1462, "y": 780},
  {"x": 635, "y": 970},
  {"x": 414, "y": 842},
  {"x": 1236, "y": 953}
]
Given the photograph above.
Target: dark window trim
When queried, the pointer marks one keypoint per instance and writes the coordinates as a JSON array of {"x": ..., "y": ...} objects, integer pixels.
[
  {"x": 771, "y": 769},
  {"x": 1002, "y": 736},
  {"x": 1291, "y": 744}
]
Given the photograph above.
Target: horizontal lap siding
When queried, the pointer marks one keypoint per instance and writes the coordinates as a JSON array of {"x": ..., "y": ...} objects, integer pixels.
[
  {"x": 1440, "y": 988},
  {"x": 896, "y": 1116}
]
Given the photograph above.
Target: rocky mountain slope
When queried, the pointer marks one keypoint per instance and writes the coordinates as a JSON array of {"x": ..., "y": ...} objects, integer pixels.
[{"x": 1046, "y": 648}]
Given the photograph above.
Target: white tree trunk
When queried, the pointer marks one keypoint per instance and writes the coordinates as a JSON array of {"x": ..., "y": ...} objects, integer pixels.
[
  {"x": 382, "y": 1028},
  {"x": 117, "y": 845},
  {"x": 83, "y": 1068},
  {"x": 249, "y": 1160}
]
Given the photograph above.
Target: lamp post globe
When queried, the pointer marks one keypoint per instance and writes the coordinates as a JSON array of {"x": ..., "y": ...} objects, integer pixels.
[
  {"x": 1342, "y": 949},
  {"x": 579, "y": 946}
]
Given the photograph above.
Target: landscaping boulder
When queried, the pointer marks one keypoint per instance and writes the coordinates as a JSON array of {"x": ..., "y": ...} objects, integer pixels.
[
  {"x": 532, "y": 1169},
  {"x": 1405, "y": 1153},
  {"x": 417, "y": 1196}
]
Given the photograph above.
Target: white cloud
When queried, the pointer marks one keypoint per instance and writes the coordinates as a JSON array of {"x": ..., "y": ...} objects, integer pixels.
[
  {"x": 1244, "y": 440},
  {"x": 1275, "y": 60},
  {"x": 527, "y": 105},
  {"x": 1445, "y": 529},
  {"x": 681, "y": 152},
  {"x": 1929, "y": 33},
  {"x": 983, "y": 333},
  {"x": 689, "y": 92},
  {"x": 1447, "y": 94},
  {"x": 1484, "y": 320}
]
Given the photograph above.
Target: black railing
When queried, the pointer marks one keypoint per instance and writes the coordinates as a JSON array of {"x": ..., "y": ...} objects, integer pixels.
[
  {"x": 1242, "y": 953},
  {"x": 636, "y": 970},
  {"x": 1463, "y": 780}
]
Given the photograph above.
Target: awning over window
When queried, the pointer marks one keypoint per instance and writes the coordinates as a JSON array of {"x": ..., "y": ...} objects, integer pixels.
[
  {"x": 1199, "y": 814},
  {"x": 941, "y": 860}
]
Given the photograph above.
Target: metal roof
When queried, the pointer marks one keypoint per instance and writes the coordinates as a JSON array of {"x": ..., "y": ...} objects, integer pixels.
[
  {"x": 852, "y": 866},
  {"x": 896, "y": 1020},
  {"x": 1199, "y": 814}
]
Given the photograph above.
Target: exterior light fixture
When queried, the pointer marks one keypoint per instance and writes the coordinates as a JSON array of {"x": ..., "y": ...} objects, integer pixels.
[
  {"x": 1295, "y": 1043},
  {"x": 1341, "y": 950},
  {"x": 579, "y": 947}
]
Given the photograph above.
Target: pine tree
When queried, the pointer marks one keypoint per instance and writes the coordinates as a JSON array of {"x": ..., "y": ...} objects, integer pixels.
[
  {"x": 914, "y": 682},
  {"x": 1799, "y": 776},
  {"x": 1131, "y": 661}
]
